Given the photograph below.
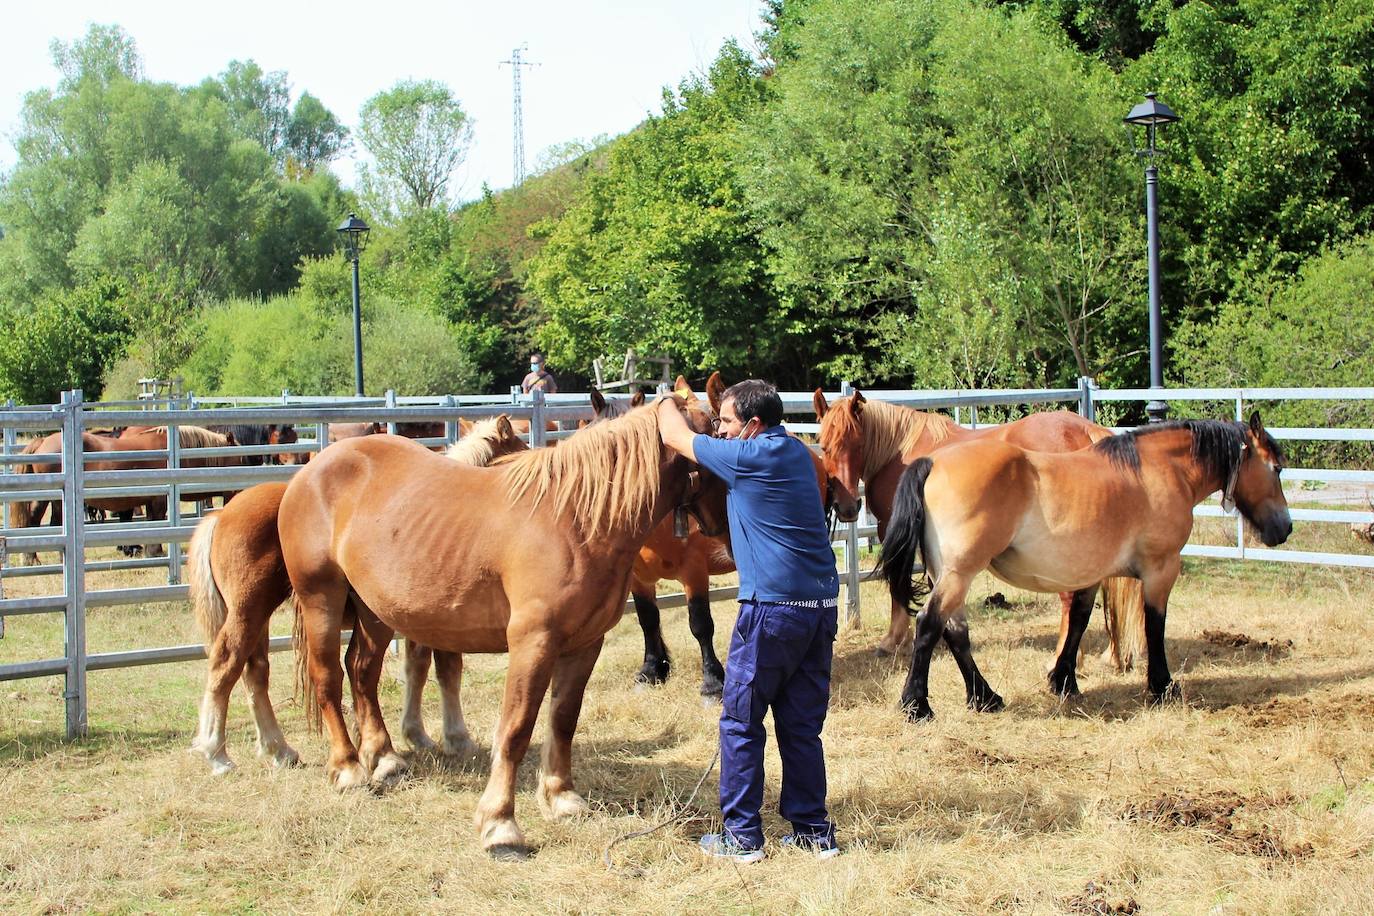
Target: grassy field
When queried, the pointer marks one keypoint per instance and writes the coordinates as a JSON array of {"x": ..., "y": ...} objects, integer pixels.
[{"x": 1253, "y": 794}]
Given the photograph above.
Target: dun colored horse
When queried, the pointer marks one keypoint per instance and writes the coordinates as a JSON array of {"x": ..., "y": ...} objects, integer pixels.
[
  {"x": 1064, "y": 522},
  {"x": 531, "y": 557},
  {"x": 153, "y": 438},
  {"x": 238, "y": 578},
  {"x": 874, "y": 441}
]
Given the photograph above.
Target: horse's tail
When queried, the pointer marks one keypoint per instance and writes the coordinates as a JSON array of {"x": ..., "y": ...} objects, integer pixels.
[
  {"x": 206, "y": 599},
  {"x": 906, "y": 532},
  {"x": 305, "y": 690},
  {"x": 1123, "y": 604}
]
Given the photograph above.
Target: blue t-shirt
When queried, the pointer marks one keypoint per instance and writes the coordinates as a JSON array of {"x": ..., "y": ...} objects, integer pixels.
[{"x": 777, "y": 524}]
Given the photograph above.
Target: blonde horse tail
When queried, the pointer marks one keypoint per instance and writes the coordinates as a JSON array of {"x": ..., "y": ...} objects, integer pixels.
[
  {"x": 1123, "y": 604},
  {"x": 305, "y": 690},
  {"x": 207, "y": 602}
]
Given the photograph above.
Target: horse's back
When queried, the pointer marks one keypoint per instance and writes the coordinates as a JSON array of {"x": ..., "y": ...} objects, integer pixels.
[{"x": 1051, "y": 431}]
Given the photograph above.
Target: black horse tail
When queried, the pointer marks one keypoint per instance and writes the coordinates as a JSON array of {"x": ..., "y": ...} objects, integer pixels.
[{"x": 906, "y": 532}]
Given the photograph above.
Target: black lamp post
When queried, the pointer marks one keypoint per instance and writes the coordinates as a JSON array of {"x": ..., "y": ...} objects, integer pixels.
[
  {"x": 354, "y": 232},
  {"x": 1152, "y": 114}
]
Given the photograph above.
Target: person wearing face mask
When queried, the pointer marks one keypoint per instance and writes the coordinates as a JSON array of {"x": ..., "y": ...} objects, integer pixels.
[
  {"x": 538, "y": 377},
  {"x": 783, "y": 640}
]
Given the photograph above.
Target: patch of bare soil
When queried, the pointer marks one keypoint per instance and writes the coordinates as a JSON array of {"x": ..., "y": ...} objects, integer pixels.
[
  {"x": 1223, "y": 818},
  {"x": 1226, "y": 639},
  {"x": 1095, "y": 901},
  {"x": 1283, "y": 711}
]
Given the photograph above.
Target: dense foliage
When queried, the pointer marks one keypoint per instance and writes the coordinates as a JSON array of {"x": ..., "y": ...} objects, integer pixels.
[{"x": 899, "y": 192}]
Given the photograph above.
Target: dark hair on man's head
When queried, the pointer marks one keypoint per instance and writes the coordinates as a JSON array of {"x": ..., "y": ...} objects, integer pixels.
[
  {"x": 755, "y": 398},
  {"x": 536, "y": 357}
]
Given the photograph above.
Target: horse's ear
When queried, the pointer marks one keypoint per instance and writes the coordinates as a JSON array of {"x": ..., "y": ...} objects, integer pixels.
[
  {"x": 229, "y": 439},
  {"x": 858, "y": 402},
  {"x": 715, "y": 387},
  {"x": 598, "y": 402},
  {"x": 683, "y": 389},
  {"x": 465, "y": 426},
  {"x": 503, "y": 427},
  {"x": 1256, "y": 424},
  {"x": 637, "y": 399},
  {"x": 818, "y": 403}
]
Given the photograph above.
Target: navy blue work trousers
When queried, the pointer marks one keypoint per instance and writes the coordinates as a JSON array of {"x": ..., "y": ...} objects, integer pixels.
[{"x": 780, "y": 657}]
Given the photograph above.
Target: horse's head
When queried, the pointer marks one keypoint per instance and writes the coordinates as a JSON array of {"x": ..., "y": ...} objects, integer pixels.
[
  {"x": 604, "y": 408},
  {"x": 1257, "y": 490},
  {"x": 505, "y": 440},
  {"x": 842, "y": 450},
  {"x": 284, "y": 435},
  {"x": 704, "y": 495}
]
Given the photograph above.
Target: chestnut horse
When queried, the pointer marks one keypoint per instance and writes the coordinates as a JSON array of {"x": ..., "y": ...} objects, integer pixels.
[
  {"x": 690, "y": 560},
  {"x": 151, "y": 438},
  {"x": 531, "y": 557},
  {"x": 238, "y": 578},
  {"x": 874, "y": 441},
  {"x": 1064, "y": 522}
]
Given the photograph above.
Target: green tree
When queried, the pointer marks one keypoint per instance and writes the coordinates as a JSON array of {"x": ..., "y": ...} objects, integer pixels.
[
  {"x": 65, "y": 342},
  {"x": 314, "y": 137},
  {"x": 418, "y": 134},
  {"x": 659, "y": 252}
]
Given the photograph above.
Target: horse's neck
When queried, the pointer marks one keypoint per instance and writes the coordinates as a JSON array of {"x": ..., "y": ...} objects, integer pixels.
[{"x": 1171, "y": 454}]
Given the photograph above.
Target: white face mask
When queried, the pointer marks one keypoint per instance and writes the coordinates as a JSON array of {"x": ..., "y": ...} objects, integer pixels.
[{"x": 535, "y": 367}]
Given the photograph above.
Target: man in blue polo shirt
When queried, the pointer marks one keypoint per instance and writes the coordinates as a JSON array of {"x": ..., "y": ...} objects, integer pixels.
[{"x": 781, "y": 650}]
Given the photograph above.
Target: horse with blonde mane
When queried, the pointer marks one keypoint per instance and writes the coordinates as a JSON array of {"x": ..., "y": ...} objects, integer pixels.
[
  {"x": 873, "y": 442},
  {"x": 238, "y": 579},
  {"x": 150, "y": 438},
  {"x": 1064, "y": 522},
  {"x": 532, "y": 556}
]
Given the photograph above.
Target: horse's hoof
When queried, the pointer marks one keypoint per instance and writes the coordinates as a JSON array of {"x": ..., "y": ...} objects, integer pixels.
[
  {"x": 220, "y": 764},
  {"x": 1169, "y": 693},
  {"x": 349, "y": 776},
  {"x": 990, "y": 703},
  {"x": 281, "y": 758},
  {"x": 421, "y": 743},
  {"x": 390, "y": 770},
  {"x": 882, "y": 651},
  {"x": 565, "y": 805},
  {"x": 712, "y": 692},
  {"x": 509, "y": 852},
  {"x": 918, "y": 713},
  {"x": 463, "y": 747}
]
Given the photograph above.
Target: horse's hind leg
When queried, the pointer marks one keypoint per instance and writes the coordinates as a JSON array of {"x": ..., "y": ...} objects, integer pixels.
[
  {"x": 1063, "y": 679},
  {"x": 527, "y": 678},
  {"x": 365, "y": 657},
  {"x": 980, "y": 695},
  {"x": 555, "y": 784},
  {"x": 322, "y": 613},
  {"x": 238, "y": 639},
  {"x": 271, "y": 742},
  {"x": 417, "y": 658},
  {"x": 448, "y": 671},
  {"x": 656, "y": 661},
  {"x": 949, "y": 594}
]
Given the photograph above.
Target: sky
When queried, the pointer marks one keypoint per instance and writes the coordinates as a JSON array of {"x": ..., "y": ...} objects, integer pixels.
[{"x": 601, "y": 66}]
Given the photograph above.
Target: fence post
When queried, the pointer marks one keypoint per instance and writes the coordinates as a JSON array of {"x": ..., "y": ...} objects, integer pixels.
[
  {"x": 450, "y": 426},
  {"x": 4, "y": 558},
  {"x": 173, "y": 495},
  {"x": 846, "y": 388},
  {"x": 321, "y": 437},
  {"x": 1087, "y": 408},
  {"x": 1240, "y": 519},
  {"x": 9, "y": 446},
  {"x": 851, "y": 550},
  {"x": 539, "y": 436},
  {"x": 74, "y": 561},
  {"x": 391, "y": 405}
]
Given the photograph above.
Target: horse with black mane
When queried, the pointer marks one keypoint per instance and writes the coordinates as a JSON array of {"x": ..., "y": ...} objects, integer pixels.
[{"x": 1064, "y": 522}]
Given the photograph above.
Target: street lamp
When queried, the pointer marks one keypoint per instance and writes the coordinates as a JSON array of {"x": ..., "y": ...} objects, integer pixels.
[
  {"x": 1152, "y": 114},
  {"x": 354, "y": 232}
]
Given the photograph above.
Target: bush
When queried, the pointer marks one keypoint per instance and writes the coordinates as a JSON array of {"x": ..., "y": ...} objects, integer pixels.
[{"x": 64, "y": 341}]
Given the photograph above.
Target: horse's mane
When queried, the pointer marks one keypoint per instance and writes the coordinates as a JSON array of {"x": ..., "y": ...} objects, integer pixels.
[
  {"x": 889, "y": 430},
  {"x": 478, "y": 445},
  {"x": 194, "y": 436},
  {"x": 606, "y": 475},
  {"x": 1217, "y": 445}
]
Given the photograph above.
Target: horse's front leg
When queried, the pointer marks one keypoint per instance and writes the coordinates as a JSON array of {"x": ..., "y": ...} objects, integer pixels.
[
  {"x": 555, "y": 792},
  {"x": 321, "y": 618},
  {"x": 1158, "y": 583},
  {"x": 1063, "y": 677},
  {"x": 531, "y": 666},
  {"x": 417, "y": 659},
  {"x": 448, "y": 671},
  {"x": 657, "y": 664}
]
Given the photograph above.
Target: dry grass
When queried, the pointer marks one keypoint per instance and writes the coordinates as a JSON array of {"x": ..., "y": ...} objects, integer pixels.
[{"x": 1252, "y": 795}]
